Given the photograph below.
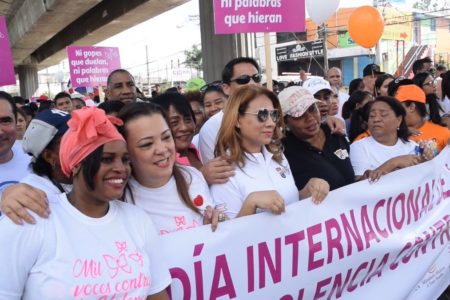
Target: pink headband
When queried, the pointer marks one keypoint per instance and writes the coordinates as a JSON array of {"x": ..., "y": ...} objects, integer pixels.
[{"x": 89, "y": 128}]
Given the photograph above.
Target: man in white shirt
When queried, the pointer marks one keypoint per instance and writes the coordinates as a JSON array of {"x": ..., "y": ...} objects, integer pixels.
[
  {"x": 237, "y": 72},
  {"x": 334, "y": 77},
  {"x": 13, "y": 161}
]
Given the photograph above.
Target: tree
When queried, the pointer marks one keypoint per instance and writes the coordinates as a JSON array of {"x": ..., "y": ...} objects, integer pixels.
[
  {"x": 194, "y": 58},
  {"x": 430, "y": 5}
]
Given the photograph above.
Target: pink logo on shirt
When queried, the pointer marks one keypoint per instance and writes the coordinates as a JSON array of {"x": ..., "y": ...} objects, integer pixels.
[
  {"x": 180, "y": 224},
  {"x": 116, "y": 264},
  {"x": 123, "y": 269}
]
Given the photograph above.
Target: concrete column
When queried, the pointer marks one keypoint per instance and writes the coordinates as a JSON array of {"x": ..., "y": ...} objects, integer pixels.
[
  {"x": 217, "y": 50},
  {"x": 28, "y": 78}
]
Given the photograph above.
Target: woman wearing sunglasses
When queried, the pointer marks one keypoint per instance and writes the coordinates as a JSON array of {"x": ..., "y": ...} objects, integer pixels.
[
  {"x": 92, "y": 246},
  {"x": 250, "y": 136}
]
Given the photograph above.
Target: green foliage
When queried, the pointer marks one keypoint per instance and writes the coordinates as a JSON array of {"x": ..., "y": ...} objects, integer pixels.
[
  {"x": 194, "y": 58},
  {"x": 430, "y": 5}
]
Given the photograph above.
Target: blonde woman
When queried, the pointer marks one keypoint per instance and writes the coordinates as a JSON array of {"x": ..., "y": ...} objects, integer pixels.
[{"x": 250, "y": 137}]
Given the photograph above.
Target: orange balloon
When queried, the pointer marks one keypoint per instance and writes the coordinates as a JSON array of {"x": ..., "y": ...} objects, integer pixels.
[{"x": 366, "y": 26}]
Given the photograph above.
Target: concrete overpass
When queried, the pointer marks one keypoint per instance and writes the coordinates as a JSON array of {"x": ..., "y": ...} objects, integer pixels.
[{"x": 40, "y": 30}]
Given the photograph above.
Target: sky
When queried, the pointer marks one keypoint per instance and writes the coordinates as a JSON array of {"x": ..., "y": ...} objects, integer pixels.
[
  {"x": 165, "y": 36},
  {"x": 178, "y": 35},
  {"x": 168, "y": 35}
]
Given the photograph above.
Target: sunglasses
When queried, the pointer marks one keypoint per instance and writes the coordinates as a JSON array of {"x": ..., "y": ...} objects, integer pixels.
[
  {"x": 217, "y": 83},
  {"x": 263, "y": 115},
  {"x": 244, "y": 79}
]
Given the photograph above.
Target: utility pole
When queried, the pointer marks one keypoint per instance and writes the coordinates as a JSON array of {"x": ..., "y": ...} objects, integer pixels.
[
  {"x": 377, "y": 46},
  {"x": 325, "y": 50},
  {"x": 147, "y": 64}
]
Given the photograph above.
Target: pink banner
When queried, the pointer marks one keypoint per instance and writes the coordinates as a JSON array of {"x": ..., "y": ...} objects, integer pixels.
[
  {"x": 6, "y": 63},
  {"x": 236, "y": 16},
  {"x": 90, "y": 66}
]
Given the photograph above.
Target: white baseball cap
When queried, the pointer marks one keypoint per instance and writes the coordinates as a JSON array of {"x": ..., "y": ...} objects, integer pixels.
[
  {"x": 295, "y": 101},
  {"x": 315, "y": 85}
]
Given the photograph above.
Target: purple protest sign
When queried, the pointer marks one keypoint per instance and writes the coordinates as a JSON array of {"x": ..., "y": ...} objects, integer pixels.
[
  {"x": 236, "y": 16},
  {"x": 90, "y": 66},
  {"x": 6, "y": 63}
]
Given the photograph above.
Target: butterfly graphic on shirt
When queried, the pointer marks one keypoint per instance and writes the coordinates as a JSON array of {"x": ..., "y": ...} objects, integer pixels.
[
  {"x": 180, "y": 224},
  {"x": 117, "y": 264}
]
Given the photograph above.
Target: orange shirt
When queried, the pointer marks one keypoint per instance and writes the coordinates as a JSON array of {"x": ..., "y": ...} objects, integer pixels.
[
  {"x": 362, "y": 135},
  {"x": 431, "y": 131}
]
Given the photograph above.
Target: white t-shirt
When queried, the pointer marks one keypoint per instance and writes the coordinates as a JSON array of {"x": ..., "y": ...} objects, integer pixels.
[
  {"x": 45, "y": 184},
  {"x": 343, "y": 97},
  {"x": 445, "y": 104},
  {"x": 167, "y": 210},
  {"x": 368, "y": 154},
  {"x": 72, "y": 256},
  {"x": 260, "y": 173},
  {"x": 208, "y": 137},
  {"x": 15, "y": 169},
  {"x": 195, "y": 140}
]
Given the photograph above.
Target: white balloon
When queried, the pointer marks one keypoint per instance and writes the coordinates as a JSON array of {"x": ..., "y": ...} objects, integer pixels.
[{"x": 321, "y": 10}]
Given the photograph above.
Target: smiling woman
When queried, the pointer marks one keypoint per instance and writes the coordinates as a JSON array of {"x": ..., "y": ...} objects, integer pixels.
[
  {"x": 250, "y": 137},
  {"x": 176, "y": 197},
  {"x": 59, "y": 251}
]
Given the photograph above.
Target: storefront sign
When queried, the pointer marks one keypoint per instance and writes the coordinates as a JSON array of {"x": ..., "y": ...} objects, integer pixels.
[{"x": 299, "y": 51}]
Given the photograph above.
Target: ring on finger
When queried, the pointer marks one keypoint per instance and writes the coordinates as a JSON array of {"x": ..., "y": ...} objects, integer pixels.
[{"x": 222, "y": 217}]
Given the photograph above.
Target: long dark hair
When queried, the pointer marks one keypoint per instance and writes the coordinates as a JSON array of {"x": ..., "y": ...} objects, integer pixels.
[
  {"x": 431, "y": 99},
  {"x": 140, "y": 109},
  {"x": 43, "y": 168},
  {"x": 399, "y": 110},
  {"x": 358, "y": 122},
  {"x": 355, "y": 98},
  {"x": 379, "y": 82},
  {"x": 445, "y": 85}
]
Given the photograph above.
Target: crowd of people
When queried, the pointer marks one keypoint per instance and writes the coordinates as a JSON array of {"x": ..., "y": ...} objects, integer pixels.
[{"x": 90, "y": 183}]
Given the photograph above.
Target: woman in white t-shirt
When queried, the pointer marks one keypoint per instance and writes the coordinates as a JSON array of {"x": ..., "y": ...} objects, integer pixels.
[
  {"x": 388, "y": 148},
  {"x": 250, "y": 137},
  {"x": 176, "y": 197},
  {"x": 91, "y": 246}
]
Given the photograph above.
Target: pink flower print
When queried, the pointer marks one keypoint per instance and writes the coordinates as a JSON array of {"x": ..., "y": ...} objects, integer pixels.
[
  {"x": 121, "y": 246},
  {"x": 116, "y": 264},
  {"x": 179, "y": 221}
]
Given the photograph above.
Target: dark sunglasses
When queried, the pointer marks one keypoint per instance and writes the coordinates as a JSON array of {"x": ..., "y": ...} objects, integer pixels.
[
  {"x": 244, "y": 79},
  {"x": 217, "y": 83},
  {"x": 263, "y": 114}
]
